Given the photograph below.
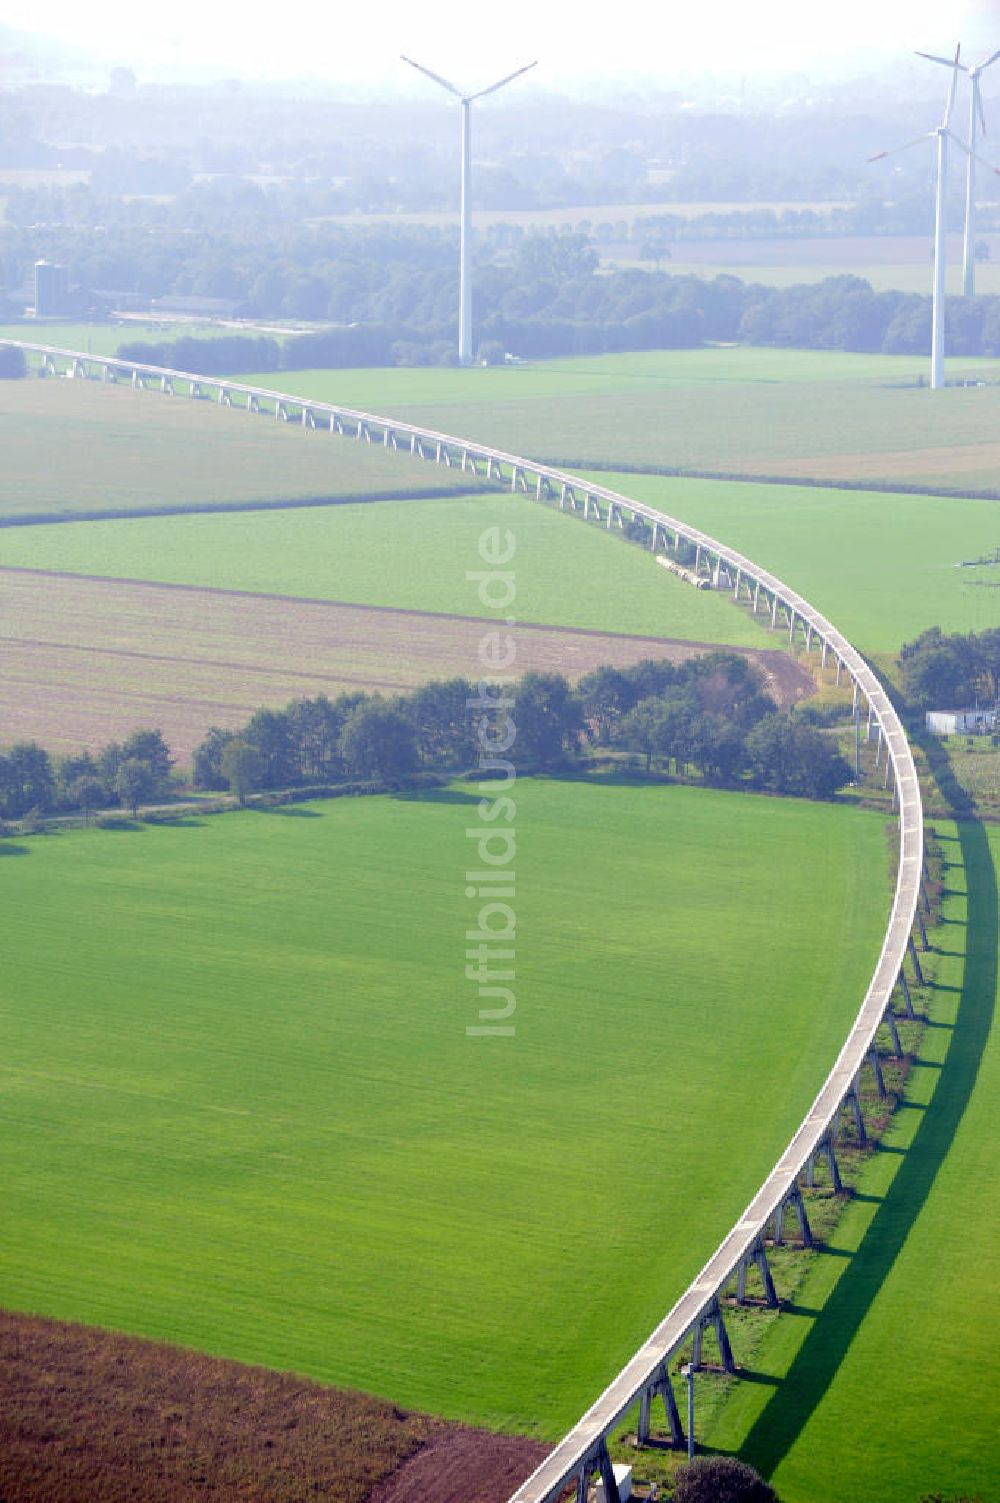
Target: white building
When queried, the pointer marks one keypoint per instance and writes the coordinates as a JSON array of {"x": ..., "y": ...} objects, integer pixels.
[{"x": 978, "y": 722}]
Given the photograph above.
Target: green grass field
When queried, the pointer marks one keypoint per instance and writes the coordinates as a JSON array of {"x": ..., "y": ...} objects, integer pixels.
[
  {"x": 883, "y": 567},
  {"x": 416, "y": 556},
  {"x": 600, "y": 375},
  {"x": 104, "y": 338},
  {"x": 73, "y": 448},
  {"x": 240, "y": 1109},
  {"x": 889, "y": 1363},
  {"x": 739, "y": 410}
]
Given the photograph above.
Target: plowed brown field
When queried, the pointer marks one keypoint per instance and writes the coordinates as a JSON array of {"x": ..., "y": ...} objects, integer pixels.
[
  {"x": 84, "y": 661},
  {"x": 88, "y": 1416}
]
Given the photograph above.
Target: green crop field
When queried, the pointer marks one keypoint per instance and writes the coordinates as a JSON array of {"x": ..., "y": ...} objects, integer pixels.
[
  {"x": 401, "y": 554},
  {"x": 600, "y": 375},
  {"x": 72, "y": 448},
  {"x": 740, "y": 410},
  {"x": 889, "y": 1361},
  {"x": 104, "y": 338},
  {"x": 883, "y": 567},
  {"x": 240, "y": 1109}
]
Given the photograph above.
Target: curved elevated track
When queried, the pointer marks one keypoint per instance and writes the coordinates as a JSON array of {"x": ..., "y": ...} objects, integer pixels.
[{"x": 583, "y": 1451}]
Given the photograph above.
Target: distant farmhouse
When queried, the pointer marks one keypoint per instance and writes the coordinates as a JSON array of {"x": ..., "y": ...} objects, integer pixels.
[{"x": 978, "y": 722}]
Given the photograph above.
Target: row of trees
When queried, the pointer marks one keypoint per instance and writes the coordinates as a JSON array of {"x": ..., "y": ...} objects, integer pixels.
[
  {"x": 129, "y": 773},
  {"x": 709, "y": 715},
  {"x": 950, "y": 671},
  {"x": 390, "y": 290},
  {"x": 622, "y": 310}
]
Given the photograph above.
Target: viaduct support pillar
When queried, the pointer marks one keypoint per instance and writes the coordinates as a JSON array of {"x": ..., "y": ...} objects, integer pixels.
[
  {"x": 890, "y": 1023},
  {"x": 904, "y": 987},
  {"x": 918, "y": 973},
  {"x": 661, "y": 1387},
  {"x": 713, "y": 1317}
]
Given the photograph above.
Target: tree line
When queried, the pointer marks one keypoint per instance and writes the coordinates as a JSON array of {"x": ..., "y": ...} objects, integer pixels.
[
  {"x": 952, "y": 671},
  {"x": 708, "y": 716},
  {"x": 129, "y": 773},
  {"x": 620, "y": 311},
  {"x": 388, "y": 292}
]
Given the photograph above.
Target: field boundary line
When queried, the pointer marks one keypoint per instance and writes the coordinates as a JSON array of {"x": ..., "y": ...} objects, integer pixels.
[{"x": 584, "y": 1450}]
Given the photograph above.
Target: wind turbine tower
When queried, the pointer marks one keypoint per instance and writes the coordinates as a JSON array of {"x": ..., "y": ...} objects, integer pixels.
[
  {"x": 465, "y": 231},
  {"x": 943, "y": 134},
  {"x": 977, "y": 116}
]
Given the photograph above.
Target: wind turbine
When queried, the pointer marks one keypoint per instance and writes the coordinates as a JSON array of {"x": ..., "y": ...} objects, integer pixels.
[
  {"x": 943, "y": 134},
  {"x": 976, "y": 114},
  {"x": 465, "y": 232}
]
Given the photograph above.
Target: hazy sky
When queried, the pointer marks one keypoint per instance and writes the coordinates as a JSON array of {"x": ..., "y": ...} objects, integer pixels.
[{"x": 477, "y": 42}]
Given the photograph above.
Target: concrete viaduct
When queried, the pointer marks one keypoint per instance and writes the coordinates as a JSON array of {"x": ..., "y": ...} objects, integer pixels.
[{"x": 583, "y": 1453}]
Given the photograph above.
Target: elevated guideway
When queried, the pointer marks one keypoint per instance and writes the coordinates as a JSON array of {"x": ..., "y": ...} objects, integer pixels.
[{"x": 583, "y": 1451}]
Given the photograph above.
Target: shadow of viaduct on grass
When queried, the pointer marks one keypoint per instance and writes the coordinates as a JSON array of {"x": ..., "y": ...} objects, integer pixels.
[{"x": 799, "y": 1393}]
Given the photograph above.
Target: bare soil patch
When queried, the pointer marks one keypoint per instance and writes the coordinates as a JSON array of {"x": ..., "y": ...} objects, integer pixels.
[
  {"x": 84, "y": 661},
  {"x": 88, "y": 1416},
  {"x": 960, "y": 459},
  {"x": 462, "y": 1466}
]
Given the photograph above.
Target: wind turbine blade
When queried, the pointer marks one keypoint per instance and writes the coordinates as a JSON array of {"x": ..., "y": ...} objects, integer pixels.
[
  {"x": 509, "y": 79},
  {"x": 428, "y": 74},
  {"x": 951, "y": 92},
  {"x": 980, "y": 161},
  {"x": 989, "y": 61},
  {"x": 977, "y": 96},
  {"x": 948, "y": 62},
  {"x": 894, "y": 151}
]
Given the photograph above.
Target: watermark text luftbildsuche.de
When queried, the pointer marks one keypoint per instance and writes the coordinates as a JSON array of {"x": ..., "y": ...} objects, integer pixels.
[{"x": 490, "y": 880}]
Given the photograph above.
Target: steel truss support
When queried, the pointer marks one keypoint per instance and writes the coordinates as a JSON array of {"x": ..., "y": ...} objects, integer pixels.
[
  {"x": 853, "y": 1100},
  {"x": 599, "y": 1461},
  {"x": 922, "y": 927},
  {"x": 904, "y": 987},
  {"x": 890, "y": 1023},
  {"x": 713, "y": 1317},
  {"x": 825, "y": 1150},
  {"x": 660, "y": 1386},
  {"x": 759, "y": 1257},
  {"x": 876, "y": 1065},
  {"x": 916, "y": 961}
]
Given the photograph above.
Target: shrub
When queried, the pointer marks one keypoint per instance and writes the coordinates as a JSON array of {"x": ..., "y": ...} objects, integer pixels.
[{"x": 721, "y": 1479}]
